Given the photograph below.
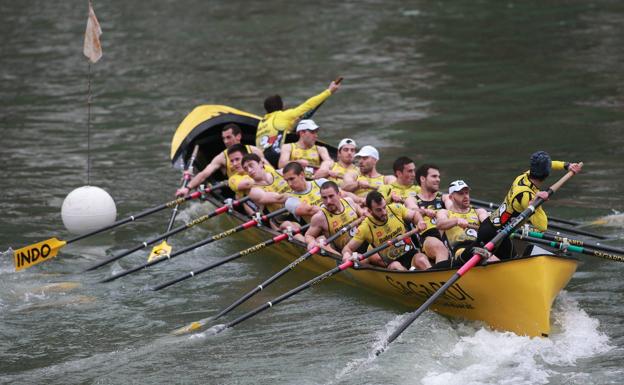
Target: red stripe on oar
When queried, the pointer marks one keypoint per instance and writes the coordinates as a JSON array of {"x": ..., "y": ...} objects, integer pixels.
[
  {"x": 195, "y": 195},
  {"x": 187, "y": 175},
  {"x": 345, "y": 265},
  {"x": 221, "y": 210},
  {"x": 469, "y": 265},
  {"x": 249, "y": 224},
  {"x": 280, "y": 237}
]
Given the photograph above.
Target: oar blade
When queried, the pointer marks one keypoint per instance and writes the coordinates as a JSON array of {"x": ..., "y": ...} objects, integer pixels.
[
  {"x": 190, "y": 328},
  {"x": 159, "y": 250},
  {"x": 36, "y": 253}
]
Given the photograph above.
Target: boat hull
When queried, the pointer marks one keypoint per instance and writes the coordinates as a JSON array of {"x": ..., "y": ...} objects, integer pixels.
[{"x": 514, "y": 295}]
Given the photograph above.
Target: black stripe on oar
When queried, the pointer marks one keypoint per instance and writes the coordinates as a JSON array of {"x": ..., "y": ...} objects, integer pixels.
[
  {"x": 343, "y": 266},
  {"x": 288, "y": 268},
  {"x": 569, "y": 247},
  {"x": 188, "y": 225},
  {"x": 253, "y": 249},
  {"x": 491, "y": 205},
  {"x": 490, "y": 246},
  {"x": 244, "y": 226}
]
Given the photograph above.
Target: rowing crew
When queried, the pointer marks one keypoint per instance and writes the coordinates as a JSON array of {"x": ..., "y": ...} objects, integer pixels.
[{"x": 449, "y": 227}]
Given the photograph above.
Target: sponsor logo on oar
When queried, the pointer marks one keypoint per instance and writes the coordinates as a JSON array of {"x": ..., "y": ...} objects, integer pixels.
[{"x": 36, "y": 253}]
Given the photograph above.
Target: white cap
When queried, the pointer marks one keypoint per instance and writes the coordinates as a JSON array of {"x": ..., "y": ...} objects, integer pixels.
[
  {"x": 457, "y": 185},
  {"x": 368, "y": 151},
  {"x": 346, "y": 141},
  {"x": 307, "y": 124}
]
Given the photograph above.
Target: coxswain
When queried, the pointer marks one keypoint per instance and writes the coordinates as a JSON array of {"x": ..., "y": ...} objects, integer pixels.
[
  {"x": 459, "y": 224},
  {"x": 314, "y": 159},
  {"x": 336, "y": 212},
  {"x": 429, "y": 200},
  {"x": 231, "y": 135},
  {"x": 403, "y": 187},
  {"x": 368, "y": 178},
  {"x": 278, "y": 122},
  {"x": 524, "y": 190},
  {"x": 382, "y": 224},
  {"x": 343, "y": 164}
]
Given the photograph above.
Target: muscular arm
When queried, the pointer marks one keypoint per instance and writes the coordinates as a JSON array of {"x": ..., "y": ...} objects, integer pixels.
[
  {"x": 389, "y": 179},
  {"x": 443, "y": 222},
  {"x": 261, "y": 197},
  {"x": 482, "y": 214},
  {"x": 350, "y": 182},
  {"x": 284, "y": 158},
  {"x": 326, "y": 163},
  {"x": 216, "y": 163},
  {"x": 318, "y": 227}
]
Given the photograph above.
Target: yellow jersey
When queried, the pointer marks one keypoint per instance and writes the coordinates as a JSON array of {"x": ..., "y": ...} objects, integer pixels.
[
  {"x": 522, "y": 191},
  {"x": 278, "y": 185},
  {"x": 336, "y": 221},
  {"x": 341, "y": 171},
  {"x": 377, "y": 182},
  {"x": 456, "y": 235},
  {"x": 402, "y": 191},
  {"x": 375, "y": 232},
  {"x": 311, "y": 196},
  {"x": 235, "y": 180},
  {"x": 273, "y": 126}
]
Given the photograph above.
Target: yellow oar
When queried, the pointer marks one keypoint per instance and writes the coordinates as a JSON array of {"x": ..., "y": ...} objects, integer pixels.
[
  {"x": 36, "y": 253},
  {"x": 164, "y": 248}
]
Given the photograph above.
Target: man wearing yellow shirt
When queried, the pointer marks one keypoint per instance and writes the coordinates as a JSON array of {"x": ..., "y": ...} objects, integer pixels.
[
  {"x": 403, "y": 187},
  {"x": 231, "y": 135},
  {"x": 278, "y": 122},
  {"x": 368, "y": 179},
  {"x": 314, "y": 159},
  {"x": 386, "y": 222},
  {"x": 459, "y": 223},
  {"x": 335, "y": 213},
  {"x": 524, "y": 189}
]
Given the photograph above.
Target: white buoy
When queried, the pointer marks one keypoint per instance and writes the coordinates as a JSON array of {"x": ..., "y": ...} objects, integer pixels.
[{"x": 88, "y": 208}]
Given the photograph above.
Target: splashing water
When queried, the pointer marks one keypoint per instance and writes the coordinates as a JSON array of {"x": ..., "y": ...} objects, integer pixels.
[
  {"x": 437, "y": 351},
  {"x": 616, "y": 219},
  {"x": 489, "y": 357}
]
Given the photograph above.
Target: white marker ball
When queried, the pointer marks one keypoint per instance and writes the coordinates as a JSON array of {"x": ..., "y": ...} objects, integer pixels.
[{"x": 88, "y": 208}]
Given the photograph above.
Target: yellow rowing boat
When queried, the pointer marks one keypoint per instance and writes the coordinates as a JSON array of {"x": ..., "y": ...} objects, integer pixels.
[{"x": 514, "y": 295}]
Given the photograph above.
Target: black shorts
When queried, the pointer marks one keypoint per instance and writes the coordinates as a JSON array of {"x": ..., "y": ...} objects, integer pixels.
[
  {"x": 432, "y": 232},
  {"x": 405, "y": 259}
]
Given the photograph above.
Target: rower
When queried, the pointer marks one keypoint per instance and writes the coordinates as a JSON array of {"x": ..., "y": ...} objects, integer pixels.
[
  {"x": 368, "y": 179},
  {"x": 231, "y": 135},
  {"x": 278, "y": 122},
  {"x": 304, "y": 196},
  {"x": 335, "y": 213},
  {"x": 304, "y": 151},
  {"x": 524, "y": 190},
  {"x": 403, "y": 187},
  {"x": 383, "y": 223},
  {"x": 344, "y": 164},
  {"x": 460, "y": 222},
  {"x": 266, "y": 188},
  {"x": 429, "y": 200}
]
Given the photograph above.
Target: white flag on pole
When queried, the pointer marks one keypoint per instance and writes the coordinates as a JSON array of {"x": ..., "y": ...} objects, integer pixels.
[{"x": 92, "y": 48}]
